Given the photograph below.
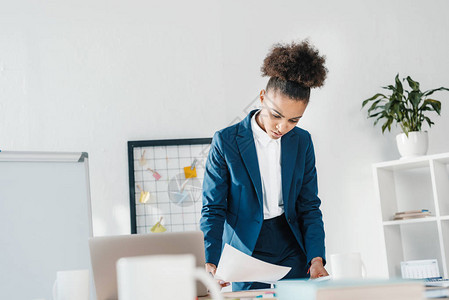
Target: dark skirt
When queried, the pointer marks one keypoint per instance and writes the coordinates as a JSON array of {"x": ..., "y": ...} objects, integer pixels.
[{"x": 276, "y": 244}]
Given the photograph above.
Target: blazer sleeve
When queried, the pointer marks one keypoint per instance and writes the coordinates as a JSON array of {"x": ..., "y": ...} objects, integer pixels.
[
  {"x": 311, "y": 218},
  {"x": 215, "y": 192}
]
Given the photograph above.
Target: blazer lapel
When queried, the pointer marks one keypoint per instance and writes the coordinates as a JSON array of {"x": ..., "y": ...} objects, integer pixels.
[
  {"x": 247, "y": 148},
  {"x": 289, "y": 152}
]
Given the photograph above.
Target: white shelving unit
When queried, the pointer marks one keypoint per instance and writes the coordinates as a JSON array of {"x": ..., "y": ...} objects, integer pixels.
[{"x": 414, "y": 184}]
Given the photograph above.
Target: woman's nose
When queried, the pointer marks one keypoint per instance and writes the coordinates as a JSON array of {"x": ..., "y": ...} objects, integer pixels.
[{"x": 281, "y": 127}]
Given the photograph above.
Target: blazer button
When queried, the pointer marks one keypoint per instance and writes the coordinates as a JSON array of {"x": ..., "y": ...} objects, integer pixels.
[{"x": 289, "y": 220}]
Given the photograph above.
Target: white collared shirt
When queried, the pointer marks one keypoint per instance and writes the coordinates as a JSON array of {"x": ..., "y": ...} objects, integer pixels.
[{"x": 269, "y": 158}]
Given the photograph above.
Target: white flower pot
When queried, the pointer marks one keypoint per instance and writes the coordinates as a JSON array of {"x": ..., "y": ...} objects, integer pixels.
[{"x": 414, "y": 145}]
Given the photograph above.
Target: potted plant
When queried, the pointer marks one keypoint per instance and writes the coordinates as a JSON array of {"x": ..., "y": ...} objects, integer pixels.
[{"x": 409, "y": 109}]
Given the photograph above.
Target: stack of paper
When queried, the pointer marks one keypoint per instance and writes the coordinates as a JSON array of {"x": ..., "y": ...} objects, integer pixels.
[{"x": 437, "y": 288}]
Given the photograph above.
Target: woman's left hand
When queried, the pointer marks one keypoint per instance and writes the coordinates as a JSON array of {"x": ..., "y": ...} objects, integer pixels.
[{"x": 317, "y": 269}]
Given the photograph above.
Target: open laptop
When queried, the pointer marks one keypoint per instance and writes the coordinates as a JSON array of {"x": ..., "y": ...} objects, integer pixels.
[{"x": 105, "y": 251}]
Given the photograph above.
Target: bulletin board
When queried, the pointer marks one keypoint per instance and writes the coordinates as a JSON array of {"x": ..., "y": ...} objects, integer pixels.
[{"x": 165, "y": 184}]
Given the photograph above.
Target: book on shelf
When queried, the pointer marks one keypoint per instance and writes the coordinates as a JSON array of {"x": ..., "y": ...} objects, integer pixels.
[{"x": 411, "y": 214}]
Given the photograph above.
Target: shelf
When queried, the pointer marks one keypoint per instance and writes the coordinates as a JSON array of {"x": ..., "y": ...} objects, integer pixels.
[
  {"x": 412, "y": 163},
  {"x": 442, "y": 159},
  {"x": 412, "y": 241},
  {"x": 404, "y": 190},
  {"x": 410, "y": 221},
  {"x": 397, "y": 165},
  {"x": 414, "y": 184}
]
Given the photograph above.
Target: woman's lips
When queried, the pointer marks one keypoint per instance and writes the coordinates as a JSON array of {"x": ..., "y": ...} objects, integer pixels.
[{"x": 277, "y": 134}]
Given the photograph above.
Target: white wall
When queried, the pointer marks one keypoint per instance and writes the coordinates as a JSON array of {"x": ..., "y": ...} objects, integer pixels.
[{"x": 91, "y": 75}]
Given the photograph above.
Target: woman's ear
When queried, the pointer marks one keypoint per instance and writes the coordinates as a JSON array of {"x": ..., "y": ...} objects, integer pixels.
[{"x": 262, "y": 96}]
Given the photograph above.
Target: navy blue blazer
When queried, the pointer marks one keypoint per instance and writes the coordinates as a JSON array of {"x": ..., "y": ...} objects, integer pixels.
[{"x": 232, "y": 192}]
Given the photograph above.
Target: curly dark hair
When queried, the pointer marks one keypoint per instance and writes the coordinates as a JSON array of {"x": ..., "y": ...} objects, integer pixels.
[{"x": 294, "y": 69}]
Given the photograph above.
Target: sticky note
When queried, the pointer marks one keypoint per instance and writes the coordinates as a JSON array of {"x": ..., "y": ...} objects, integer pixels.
[
  {"x": 158, "y": 227},
  {"x": 144, "y": 197},
  {"x": 189, "y": 173},
  {"x": 156, "y": 175}
]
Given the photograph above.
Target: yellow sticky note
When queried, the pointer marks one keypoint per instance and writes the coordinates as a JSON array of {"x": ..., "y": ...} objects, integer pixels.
[
  {"x": 189, "y": 173},
  {"x": 158, "y": 227},
  {"x": 144, "y": 197}
]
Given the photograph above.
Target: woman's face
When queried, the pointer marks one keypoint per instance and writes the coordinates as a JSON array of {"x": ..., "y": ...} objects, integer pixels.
[{"x": 279, "y": 113}]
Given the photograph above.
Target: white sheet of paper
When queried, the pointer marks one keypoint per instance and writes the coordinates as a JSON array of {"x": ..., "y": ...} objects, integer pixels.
[{"x": 236, "y": 266}]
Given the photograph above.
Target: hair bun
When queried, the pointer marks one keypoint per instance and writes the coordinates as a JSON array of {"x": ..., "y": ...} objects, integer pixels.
[{"x": 296, "y": 62}]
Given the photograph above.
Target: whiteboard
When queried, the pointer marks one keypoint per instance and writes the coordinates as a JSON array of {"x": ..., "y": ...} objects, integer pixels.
[{"x": 45, "y": 220}]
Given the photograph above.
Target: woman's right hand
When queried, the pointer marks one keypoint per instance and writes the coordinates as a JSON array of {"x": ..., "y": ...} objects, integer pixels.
[{"x": 211, "y": 268}]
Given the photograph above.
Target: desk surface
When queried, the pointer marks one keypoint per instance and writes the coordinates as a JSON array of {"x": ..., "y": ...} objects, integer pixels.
[
  {"x": 250, "y": 295},
  {"x": 243, "y": 294}
]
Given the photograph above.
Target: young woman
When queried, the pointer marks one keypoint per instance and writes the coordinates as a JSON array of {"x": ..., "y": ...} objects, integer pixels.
[{"x": 260, "y": 184}]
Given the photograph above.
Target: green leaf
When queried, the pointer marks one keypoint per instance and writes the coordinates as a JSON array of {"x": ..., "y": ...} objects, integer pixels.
[
  {"x": 384, "y": 126},
  {"x": 387, "y": 106},
  {"x": 435, "y": 104},
  {"x": 399, "y": 87},
  {"x": 398, "y": 113},
  {"x": 374, "y": 105},
  {"x": 413, "y": 84},
  {"x": 406, "y": 128},
  {"x": 377, "y": 120},
  {"x": 375, "y": 115},
  {"x": 429, "y": 121},
  {"x": 390, "y": 121},
  {"x": 415, "y": 97},
  {"x": 430, "y": 92},
  {"x": 389, "y": 87},
  {"x": 372, "y": 98},
  {"x": 387, "y": 125}
]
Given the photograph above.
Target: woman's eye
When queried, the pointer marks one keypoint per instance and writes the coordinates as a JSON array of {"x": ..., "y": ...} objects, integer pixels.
[
  {"x": 294, "y": 121},
  {"x": 276, "y": 116}
]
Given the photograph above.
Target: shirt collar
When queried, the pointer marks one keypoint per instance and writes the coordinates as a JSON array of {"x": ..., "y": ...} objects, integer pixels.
[{"x": 259, "y": 134}]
